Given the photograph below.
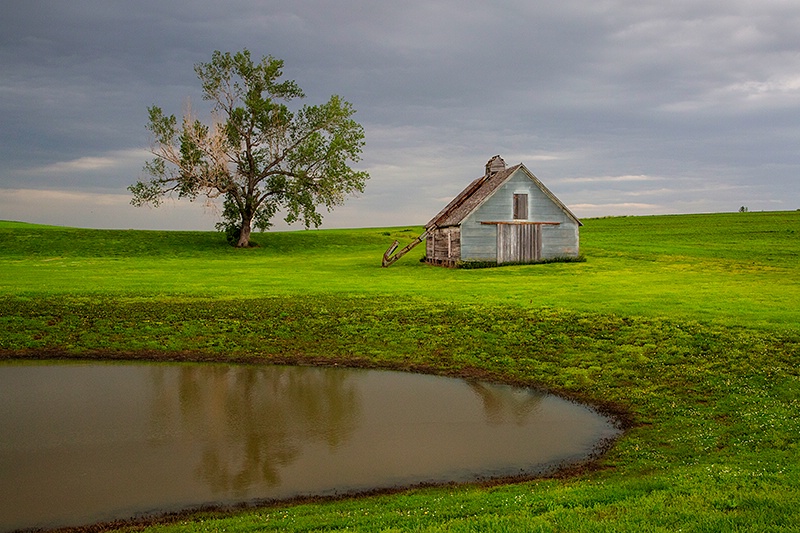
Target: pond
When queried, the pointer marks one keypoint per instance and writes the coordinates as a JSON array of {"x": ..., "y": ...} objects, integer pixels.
[{"x": 89, "y": 442}]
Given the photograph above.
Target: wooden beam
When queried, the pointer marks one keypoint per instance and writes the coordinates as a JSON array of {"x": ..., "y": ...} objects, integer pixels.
[{"x": 388, "y": 258}]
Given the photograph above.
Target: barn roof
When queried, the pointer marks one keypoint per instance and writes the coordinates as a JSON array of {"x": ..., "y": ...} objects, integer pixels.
[{"x": 482, "y": 188}]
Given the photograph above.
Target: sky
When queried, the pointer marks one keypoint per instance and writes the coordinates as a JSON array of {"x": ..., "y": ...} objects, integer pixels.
[{"x": 620, "y": 107}]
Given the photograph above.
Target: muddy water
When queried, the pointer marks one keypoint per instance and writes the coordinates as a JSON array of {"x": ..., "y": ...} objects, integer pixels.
[{"x": 89, "y": 442}]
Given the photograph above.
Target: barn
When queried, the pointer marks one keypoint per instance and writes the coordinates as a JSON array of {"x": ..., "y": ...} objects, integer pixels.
[{"x": 505, "y": 216}]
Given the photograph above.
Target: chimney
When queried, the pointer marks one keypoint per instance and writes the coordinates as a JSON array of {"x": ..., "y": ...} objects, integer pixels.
[{"x": 495, "y": 165}]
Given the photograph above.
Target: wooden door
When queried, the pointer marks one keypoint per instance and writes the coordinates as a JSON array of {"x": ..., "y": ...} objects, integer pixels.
[{"x": 519, "y": 243}]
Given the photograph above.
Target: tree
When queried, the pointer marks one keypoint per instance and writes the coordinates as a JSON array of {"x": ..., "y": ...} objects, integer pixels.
[{"x": 257, "y": 155}]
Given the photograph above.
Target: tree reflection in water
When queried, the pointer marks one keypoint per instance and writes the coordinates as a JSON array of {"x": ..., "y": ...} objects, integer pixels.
[
  {"x": 249, "y": 422},
  {"x": 86, "y": 442},
  {"x": 502, "y": 403}
]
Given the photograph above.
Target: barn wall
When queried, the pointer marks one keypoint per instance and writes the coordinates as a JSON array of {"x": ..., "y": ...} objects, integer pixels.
[
  {"x": 443, "y": 246},
  {"x": 479, "y": 241}
]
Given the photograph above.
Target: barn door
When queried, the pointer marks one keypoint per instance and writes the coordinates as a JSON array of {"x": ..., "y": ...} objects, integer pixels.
[{"x": 519, "y": 243}]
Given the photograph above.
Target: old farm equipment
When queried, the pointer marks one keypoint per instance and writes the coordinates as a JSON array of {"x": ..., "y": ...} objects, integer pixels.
[{"x": 389, "y": 259}]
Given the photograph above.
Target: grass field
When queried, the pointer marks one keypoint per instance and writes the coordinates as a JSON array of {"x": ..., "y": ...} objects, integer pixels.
[{"x": 686, "y": 326}]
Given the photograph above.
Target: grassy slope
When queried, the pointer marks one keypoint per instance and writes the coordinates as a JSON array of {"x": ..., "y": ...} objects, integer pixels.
[
  {"x": 687, "y": 323},
  {"x": 729, "y": 268}
]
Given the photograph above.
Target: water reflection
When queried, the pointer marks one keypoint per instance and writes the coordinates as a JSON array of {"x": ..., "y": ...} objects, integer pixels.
[
  {"x": 502, "y": 403},
  {"x": 82, "y": 443},
  {"x": 251, "y": 422}
]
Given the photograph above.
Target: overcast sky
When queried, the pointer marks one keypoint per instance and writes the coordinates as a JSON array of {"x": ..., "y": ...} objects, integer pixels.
[{"x": 619, "y": 106}]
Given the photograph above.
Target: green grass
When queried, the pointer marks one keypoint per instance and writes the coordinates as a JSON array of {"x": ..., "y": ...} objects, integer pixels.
[
  {"x": 688, "y": 326},
  {"x": 737, "y": 268}
]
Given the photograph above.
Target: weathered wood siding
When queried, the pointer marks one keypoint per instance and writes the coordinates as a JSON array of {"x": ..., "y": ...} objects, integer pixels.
[
  {"x": 479, "y": 241},
  {"x": 519, "y": 243},
  {"x": 443, "y": 246}
]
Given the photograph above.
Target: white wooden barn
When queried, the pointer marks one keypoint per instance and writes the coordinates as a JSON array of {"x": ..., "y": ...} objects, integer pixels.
[{"x": 505, "y": 216}]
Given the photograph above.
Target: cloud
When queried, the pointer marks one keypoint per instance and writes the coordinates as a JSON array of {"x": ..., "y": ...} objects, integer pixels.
[
  {"x": 610, "y": 179},
  {"x": 77, "y": 165},
  {"x": 603, "y": 100},
  {"x": 91, "y": 209},
  {"x": 614, "y": 209},
  {"x": 101, "y": 210},
  {"x": 111, "y": 170}
]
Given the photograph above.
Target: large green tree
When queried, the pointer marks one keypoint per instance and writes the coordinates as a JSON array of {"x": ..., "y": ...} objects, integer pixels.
[{"x": 256, "y": 154}]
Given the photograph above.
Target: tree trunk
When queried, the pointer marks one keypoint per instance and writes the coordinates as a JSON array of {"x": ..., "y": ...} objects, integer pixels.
[{"x": 244, "y": 235}]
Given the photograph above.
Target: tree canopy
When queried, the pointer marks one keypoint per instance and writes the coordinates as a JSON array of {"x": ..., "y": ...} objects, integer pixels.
[{"x": 256, "y": 154}]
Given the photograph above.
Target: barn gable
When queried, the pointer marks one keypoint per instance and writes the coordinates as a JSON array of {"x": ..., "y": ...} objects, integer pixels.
[
  {"x": 506, "y": 215},
  {"x": 481, "y": 189}
]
